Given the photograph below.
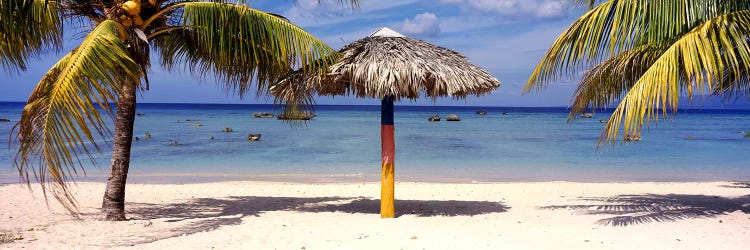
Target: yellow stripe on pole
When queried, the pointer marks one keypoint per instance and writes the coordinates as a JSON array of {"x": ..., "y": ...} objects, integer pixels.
[{"x": 387, "y": 209}]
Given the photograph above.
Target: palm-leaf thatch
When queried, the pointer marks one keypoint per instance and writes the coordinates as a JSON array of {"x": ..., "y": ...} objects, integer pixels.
[{"x": 396, "y": 66}]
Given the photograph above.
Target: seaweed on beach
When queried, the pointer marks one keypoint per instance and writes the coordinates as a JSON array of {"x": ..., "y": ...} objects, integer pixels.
[
  {"x": 8, "y": 237},
  {"x": 738, "y": 184},
  {"x": 638, "y": 209}
]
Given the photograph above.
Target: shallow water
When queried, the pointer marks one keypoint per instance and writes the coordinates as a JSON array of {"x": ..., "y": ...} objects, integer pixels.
[{"x": 526, "y": 144}]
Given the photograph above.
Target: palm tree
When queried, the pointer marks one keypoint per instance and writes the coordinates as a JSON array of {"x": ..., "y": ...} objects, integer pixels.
[
  {"x": 647, "y": 54},
  {"x": 62, "y": 119}
]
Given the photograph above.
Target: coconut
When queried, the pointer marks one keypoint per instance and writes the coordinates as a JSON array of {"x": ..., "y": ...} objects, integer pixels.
[
  {"x": 132, "y": 7},
  {"x": 127, "y": 22},
  {"x": 137, "y": 20}
]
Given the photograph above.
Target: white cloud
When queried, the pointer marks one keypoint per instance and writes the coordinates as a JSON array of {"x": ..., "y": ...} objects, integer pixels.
[
  {"x": 426, "y": 24},
  {"x": 310, "y": 13},
  {"x": 514, "y": 8}
]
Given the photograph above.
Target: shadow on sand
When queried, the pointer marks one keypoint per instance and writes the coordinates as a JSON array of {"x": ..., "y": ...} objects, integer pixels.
[
  {"x": 636, "y": 209},
  {"x": 206, "y": 214}
]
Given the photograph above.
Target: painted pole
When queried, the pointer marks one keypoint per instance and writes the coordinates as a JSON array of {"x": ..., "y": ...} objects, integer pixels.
[{"x": 389, "y": 149}]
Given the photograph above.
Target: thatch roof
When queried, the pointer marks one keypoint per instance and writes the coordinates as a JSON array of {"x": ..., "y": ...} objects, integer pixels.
[{"x": 391, "y": 65}]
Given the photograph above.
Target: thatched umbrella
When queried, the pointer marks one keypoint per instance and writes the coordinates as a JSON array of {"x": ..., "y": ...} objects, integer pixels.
[{"x": 389, "y": 66}]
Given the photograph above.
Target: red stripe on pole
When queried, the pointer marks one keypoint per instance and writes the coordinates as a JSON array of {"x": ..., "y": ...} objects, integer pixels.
[{"x": 388, "y": 144}]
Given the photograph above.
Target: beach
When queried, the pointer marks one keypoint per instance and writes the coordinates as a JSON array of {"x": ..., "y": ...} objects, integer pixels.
[{"x": 296, "y": 215}]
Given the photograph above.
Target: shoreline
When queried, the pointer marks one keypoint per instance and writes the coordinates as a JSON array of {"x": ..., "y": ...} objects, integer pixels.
[{"x": 313, "y": 178}]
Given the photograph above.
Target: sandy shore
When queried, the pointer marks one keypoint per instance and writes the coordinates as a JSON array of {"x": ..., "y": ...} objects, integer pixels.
[{"x": 274, "y": 215}]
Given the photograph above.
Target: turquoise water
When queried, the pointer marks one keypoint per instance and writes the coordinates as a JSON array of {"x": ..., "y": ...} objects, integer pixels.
[{"x": 526, "y": 144}]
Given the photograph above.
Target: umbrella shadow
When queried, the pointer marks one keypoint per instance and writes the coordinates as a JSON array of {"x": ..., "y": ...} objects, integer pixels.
[
  {"x": 629, "y": 210},
  {"x": 206, "y": 214},
  {"x": 420, "y": 208}
]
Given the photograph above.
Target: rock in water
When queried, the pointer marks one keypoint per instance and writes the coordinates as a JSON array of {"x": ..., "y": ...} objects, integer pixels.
[
  {"x": 227, "y": 130},
  {"x": 602, "y": 120},
  {"x": 481, "y": 112},
  {"x": 434, "y": 118},
  {"x": 4, "y": 120},
  {"x": 262, "y": 114},
  {"x": 587, "y": 115},
  {"x": 296, "y": 116},
  {"x": 197, "y": 124},
  {"x": 632, "y": 137},
  {"x": 452, "y": 118},
  {"x": 253, "y": 137}
]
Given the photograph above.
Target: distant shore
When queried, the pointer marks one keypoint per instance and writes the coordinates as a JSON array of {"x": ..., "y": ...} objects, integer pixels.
[{"x": 275, "y": 215}]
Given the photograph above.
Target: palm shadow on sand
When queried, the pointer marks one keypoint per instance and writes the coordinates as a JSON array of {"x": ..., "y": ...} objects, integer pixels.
[
  {"x": 629, "y": 210},
  {"x": 205, "y": 214}
]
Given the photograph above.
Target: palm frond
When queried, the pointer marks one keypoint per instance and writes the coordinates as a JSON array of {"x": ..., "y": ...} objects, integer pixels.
[
  {"x": 607, "y": 82},
  {"x": 27, "y": 28},
  {"x": 708, "y": 55},
  {"x": 589, "y": 3},
  {"x": 616, "y": 26},
  {"x": 61, "y": 119},
  {"x": 296, "y": 90},
  {"x": 238, "y": 44}
]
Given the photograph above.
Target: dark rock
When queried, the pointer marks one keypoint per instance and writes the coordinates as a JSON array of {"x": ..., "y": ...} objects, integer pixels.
[
  {"x": 505, "y": 113},
  {"x": 296, "y": 116},
  {"x": 253, "y": 137},
  {"x": 452, "y": 118},
  {"x": 481, "y": 112},
  {"x": 227, "y": 130},
  {"x": 211, "y": 138},
  {"x": 587, "y": 115},
  {"x": 262, "y": 114},
  {"x": 4, "y": 120},
  {"x": 434, "y": 118},
  {"x": 174, "y": 143},
  {"x": 140, "y": 114},
  {"x": 632, "y": 137},
  {"x": 137, "y": 139}
]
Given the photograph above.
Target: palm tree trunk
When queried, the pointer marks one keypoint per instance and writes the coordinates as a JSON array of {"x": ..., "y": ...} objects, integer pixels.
[{"x": 113, "y": 207}]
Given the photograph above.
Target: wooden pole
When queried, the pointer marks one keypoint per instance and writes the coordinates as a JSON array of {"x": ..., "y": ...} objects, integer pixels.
[{"x": 387, "y": 209}]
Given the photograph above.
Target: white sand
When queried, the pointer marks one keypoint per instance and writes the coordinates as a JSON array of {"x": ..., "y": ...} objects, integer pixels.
[{"x": 257, "y": 215}]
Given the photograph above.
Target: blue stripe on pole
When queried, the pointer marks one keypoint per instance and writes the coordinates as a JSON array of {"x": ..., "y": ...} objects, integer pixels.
[{"x": 386, "y": 111}]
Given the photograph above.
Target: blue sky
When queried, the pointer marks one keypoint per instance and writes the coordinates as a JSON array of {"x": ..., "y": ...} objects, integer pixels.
[{"x": 505, "y": 37}]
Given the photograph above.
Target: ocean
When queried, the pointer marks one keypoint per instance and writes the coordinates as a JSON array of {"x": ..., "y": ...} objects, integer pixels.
[{"x": 343, "y": 144}]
